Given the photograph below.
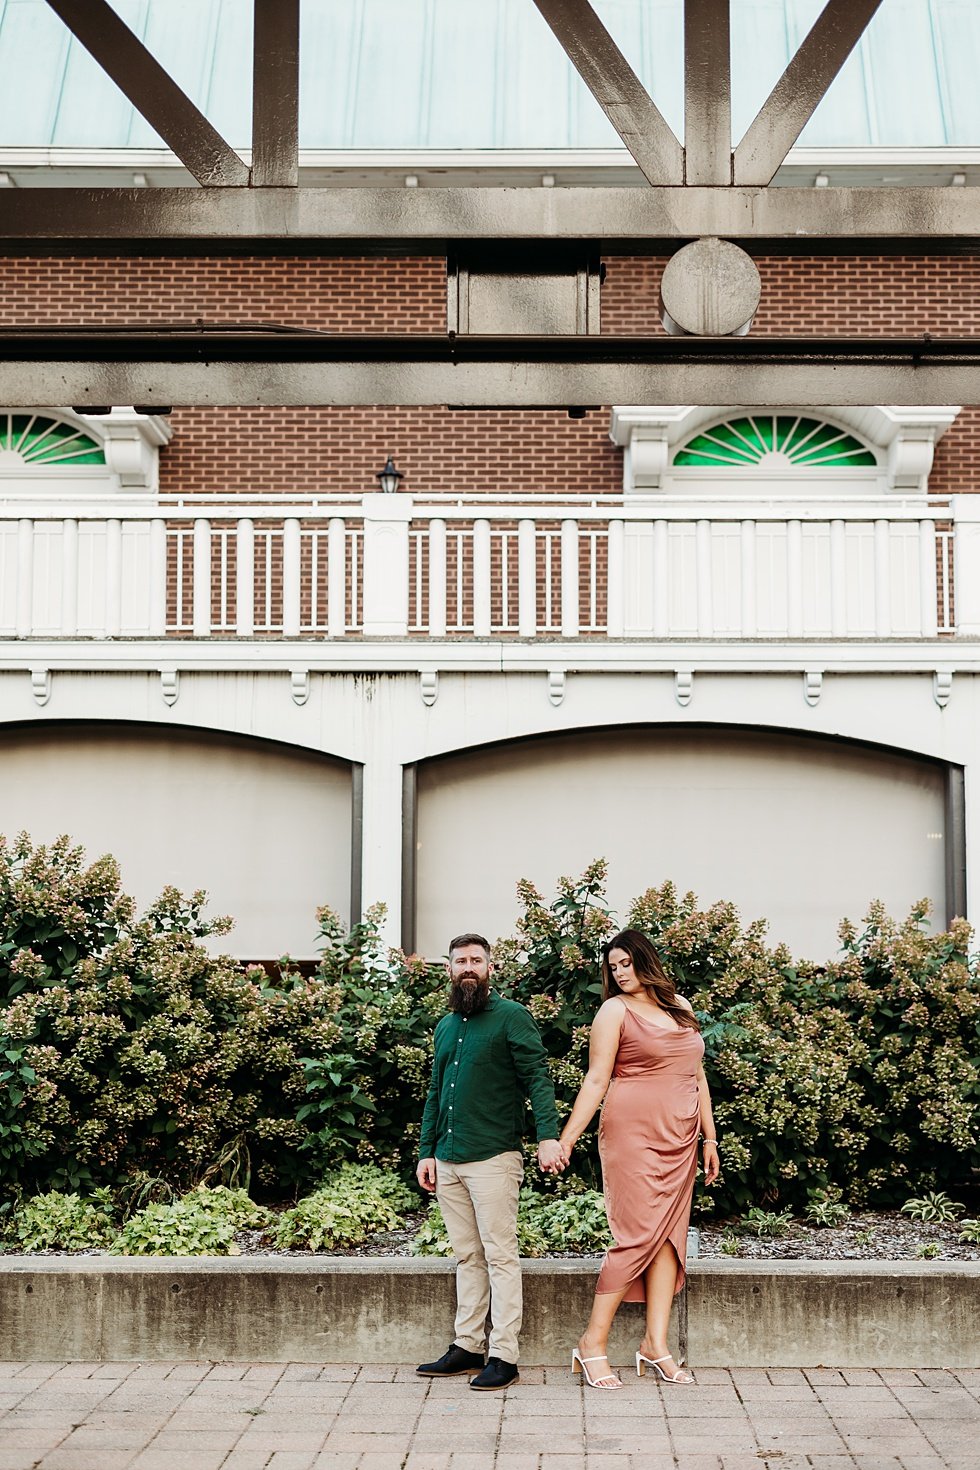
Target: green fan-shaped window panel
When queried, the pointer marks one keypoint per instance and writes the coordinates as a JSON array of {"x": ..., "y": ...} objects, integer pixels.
[
  {"x": 36, "y": 439},
  {"x": 775, "y": 441}
]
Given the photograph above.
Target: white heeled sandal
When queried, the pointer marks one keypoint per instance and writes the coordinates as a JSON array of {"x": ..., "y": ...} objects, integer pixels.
[
  {"x": 679, "y": 1377},
  {"x": 607, "y": 1380}
]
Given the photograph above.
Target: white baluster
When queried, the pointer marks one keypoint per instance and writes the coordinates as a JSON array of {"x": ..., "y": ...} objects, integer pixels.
[
  {"x": 290, "y": 578},
  {"x": 113, "y": 578},
  {"x": 928, "y": 590},
  {"x": 569, "y": 579},
  {"x": 201, "y": 627},
  {"x": 706, "y": 625},
  {"x": 794, "y": 579},
  {"x": 25, "y": 578},
  {"x": 661, "y": 601},
  {"x": 245, "y": 579},
  {"x": 838, "y": 579},
  {"x": 69, "y": 579},
  {"x": 616, "y": 581},
  {"x": 336, "y": 578},
  {"x": 437, "y": 578},
  {"x": 527, "y": 580},
  {"x": 883, "y": 591},
  {"x": 749, "y": 583},
  {"x": 481, "y": 579},
  {"x": 158, "y": 579}
]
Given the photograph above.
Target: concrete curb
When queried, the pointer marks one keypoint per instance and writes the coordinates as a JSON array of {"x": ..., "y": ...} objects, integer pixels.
[{"x": 336, "y": 1309}]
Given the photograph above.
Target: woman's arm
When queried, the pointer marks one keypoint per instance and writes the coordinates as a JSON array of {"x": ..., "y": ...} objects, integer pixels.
[
  {"x": 603, "y": 1046},
  {"x": 712, "y": 1163}
]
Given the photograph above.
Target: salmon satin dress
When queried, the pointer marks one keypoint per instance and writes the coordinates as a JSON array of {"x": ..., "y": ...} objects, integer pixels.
[{"x": 648, "y": 1145}]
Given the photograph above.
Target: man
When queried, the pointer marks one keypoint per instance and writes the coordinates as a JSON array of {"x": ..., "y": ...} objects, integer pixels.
[{"x": 488, "y": 1058}]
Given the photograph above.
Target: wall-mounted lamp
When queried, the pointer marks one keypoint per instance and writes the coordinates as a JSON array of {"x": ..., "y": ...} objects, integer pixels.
[{"x": 388, "y": 477}]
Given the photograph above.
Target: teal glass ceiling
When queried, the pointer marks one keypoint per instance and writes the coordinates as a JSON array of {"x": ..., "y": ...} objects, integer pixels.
[{"x": 444, "y": 74}]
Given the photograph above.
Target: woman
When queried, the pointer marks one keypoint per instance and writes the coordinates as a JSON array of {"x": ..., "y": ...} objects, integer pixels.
[{"x": 645, "y": 1039}]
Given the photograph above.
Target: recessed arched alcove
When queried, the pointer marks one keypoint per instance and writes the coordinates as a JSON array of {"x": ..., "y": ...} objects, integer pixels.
[
  {"x": 798, "y": 830},
  {"x": 264, "y": 827}
]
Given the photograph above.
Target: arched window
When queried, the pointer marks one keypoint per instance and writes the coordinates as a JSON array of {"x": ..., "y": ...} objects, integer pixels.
[
  {"x": 36, "y": 439},
  {"x": 50, "y": 453},
  {"x": 775, "y": 443}
]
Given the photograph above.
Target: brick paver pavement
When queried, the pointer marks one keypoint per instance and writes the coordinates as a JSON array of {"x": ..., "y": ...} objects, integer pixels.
[{"x": 270, "y": 1416}]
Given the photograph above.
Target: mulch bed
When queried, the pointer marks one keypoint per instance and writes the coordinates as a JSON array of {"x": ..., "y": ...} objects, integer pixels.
[{"x": 888, "y": 1236}]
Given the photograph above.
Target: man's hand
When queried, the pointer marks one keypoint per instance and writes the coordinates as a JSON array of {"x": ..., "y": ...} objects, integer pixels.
[
  {"x": 552, "y": 1158},
  {"x": 426, "y": 1175}
]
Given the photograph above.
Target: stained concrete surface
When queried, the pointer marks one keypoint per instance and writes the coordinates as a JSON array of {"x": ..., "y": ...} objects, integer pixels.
[{"x": 221, "y": 1416}]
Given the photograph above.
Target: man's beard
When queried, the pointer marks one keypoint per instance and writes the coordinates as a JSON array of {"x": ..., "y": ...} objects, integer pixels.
[{"x": 470, "y": 999}]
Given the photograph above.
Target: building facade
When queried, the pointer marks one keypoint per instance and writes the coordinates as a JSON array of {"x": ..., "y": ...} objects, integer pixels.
[{"x": 728, "y": 647}]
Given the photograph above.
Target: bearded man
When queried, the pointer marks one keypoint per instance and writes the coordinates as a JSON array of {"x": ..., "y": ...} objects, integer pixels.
[{"x": 488, "y": 1059}]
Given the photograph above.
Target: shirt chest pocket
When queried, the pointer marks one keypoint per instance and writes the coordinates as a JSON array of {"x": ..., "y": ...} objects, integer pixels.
[{"x": 477, "y": 1049}]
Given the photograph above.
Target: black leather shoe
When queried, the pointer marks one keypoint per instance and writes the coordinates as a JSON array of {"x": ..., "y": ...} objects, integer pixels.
[
  {"x": 454, "y": 1360},
  {"x": 497, "y": 1374}
]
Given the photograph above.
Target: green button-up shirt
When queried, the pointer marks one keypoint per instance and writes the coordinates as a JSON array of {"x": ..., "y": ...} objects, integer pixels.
[{"x": 483, "y": 1068}]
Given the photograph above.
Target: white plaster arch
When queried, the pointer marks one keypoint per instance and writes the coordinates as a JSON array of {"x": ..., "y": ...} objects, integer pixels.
[
  {"x": 130, "y": 441},
  {"x": 902, "y": 439}
]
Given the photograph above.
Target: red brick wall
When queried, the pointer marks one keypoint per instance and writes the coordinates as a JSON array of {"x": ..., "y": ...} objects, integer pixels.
[{"x": 270, "y": 450}]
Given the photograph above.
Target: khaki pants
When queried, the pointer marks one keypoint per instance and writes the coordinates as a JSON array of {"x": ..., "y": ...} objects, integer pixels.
[{"x": 479, "y": 1205}]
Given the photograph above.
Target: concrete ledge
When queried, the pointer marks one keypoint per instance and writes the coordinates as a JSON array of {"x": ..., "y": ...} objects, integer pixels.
[{"x": 395, "y": 1310}]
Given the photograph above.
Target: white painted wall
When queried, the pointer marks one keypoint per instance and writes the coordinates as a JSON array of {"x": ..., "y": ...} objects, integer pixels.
[
  {"x": 797, "y": 830},
  {"x": 264, "y": 828}
]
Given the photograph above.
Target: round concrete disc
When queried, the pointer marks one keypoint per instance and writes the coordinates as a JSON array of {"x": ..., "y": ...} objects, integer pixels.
[{"x": 710, "y": 288}]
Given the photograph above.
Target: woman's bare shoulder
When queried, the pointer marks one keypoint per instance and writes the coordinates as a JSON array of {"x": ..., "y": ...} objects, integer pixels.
[
  {"x": 611, "y": 1012},
  {"x": 683, "y": 1001}
]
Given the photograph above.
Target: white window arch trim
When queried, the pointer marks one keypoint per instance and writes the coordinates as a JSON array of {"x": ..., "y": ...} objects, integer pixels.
[
  {"x": 902, "y": 439},
  {"x": 130, "y": 441}
]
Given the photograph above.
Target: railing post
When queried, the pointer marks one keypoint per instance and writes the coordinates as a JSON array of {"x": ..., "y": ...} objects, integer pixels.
[
  {"x": 616, "y": 580},
  {"x": 965, "y": 515},
  {"x": 481, "y": 579},
  {"x": 336, "y": 577},
  {"x": 883, "y": 588},
  {"x": 201, "y": 625},
  {"x": 794, "y": 579},
  {"x": 290, "y": 578},
  {"x": 113, "y": 578},
  {"x": 69, "y": 579},
  {"x": 928, "y": 582},
  {"x": 838, "y": 579},
  {"x": 436, "y": 544},
  {"x": 385, "y": 584},
  {"x": 527, "y": 579},
  {"x": 569, "y": 579},
  {"x": 158, "y": 579},
  {"x": 749, "y": 581},
  {"x": 245, "y": 578},
  {"x": 25, "y": 578},
  {"x": 706, "y": 621}
]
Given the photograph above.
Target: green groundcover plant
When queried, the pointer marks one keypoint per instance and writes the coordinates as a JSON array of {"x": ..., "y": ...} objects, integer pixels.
[{"x": 134, "y": 1060}]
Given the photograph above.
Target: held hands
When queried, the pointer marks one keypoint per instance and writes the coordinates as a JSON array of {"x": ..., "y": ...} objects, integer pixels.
[
  {"x": 552, "y": 1158},
  {"x": 426, "y": 1175}
]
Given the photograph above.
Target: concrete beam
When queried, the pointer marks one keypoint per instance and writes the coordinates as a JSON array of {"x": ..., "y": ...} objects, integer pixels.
[
  {"x": 384, "y": 220},
  {"x": 282, "y": 368},
  {"x": 749, "y": 1313}
]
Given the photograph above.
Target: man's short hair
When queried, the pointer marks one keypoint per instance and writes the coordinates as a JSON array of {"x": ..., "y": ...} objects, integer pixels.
[{"x": 463, "y": 941}]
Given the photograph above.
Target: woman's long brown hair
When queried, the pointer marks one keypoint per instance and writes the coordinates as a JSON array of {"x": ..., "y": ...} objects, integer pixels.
[{"x": 648, "y": 969}]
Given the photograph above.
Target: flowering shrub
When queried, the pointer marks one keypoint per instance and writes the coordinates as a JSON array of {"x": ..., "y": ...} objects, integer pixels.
[
  {"x": 130, "y": 1057},
  {"x": 132, "y": 1054}
]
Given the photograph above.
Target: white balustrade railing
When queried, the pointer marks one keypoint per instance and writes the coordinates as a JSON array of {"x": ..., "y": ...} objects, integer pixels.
[{"x": 514, "y": 567}]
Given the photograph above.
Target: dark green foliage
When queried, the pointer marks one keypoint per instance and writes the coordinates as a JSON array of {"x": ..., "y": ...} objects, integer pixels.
[{"x": 130, "y": 1057}]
